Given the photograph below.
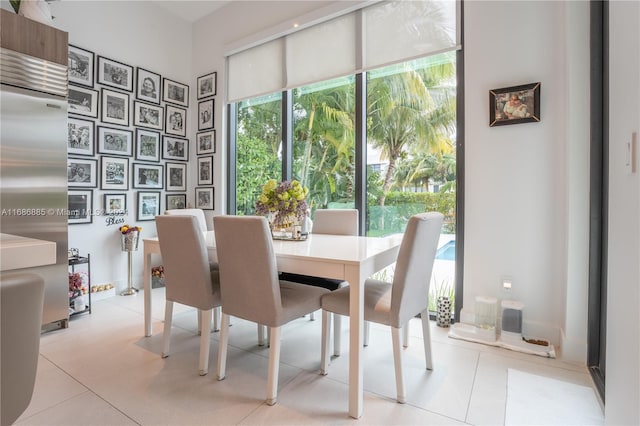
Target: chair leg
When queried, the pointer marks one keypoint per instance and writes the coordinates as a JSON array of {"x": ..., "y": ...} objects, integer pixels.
[
  {"x": 168, "y": 320},
  {"x": 366, "y": 333},
  {"x": 312, "y": 316},
  {"x": 216, "y": 318},
  {"x": 199, "y": 322},
  {"x": 261, "y": 333},
  {"x": 337, "y": 334},
  {"x": 205, "y": 319},
  {"x": 397, "y": 360},
  {"x": 405, "y": 335},
  {"x": 426, "y": 337},
  {"x": 222, "y": 347},
  {"x": 274, "y": 365},
  {"x": 326, "y": 342}
]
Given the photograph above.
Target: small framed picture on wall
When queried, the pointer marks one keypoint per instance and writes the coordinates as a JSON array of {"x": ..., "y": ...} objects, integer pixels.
[
  {"x": 80, "y": 66},
  {"x": 80, "y": 137},
  {"x": 205, "y": 170},
  {"x": 175, "y": 92},
  {"x": 176, "y": 121},
  {"x": 82, "y": 172},
  {"x": 115, "y": 141},
  {"x": 115, "y": 204},
  {"x": 115, "y": 173},
  {"x": 83, "y": 101},
  {"x": 148, "y": 205},
  {"x": 514, "y": 105},
  {"x": 148, "y": 176},
  {"x": 147, "y": 115},
  {"x": 176, "y": 176},
  {"x": 80, "y": 206},
  {"x": 115, "y": 107},
  {"x": 205, "y": 114},
  {"x": 207, "y": 85},
  {"x": 176, "y": 201},
  {"x": 206, "y": 143},
  {"x": 148, "y": 86},
  {"x": 147, "y": 145},
  {"x": 115, "y": 74},
  {"x": 175, "y": 148},
  {"x": 204, "y": 198}
]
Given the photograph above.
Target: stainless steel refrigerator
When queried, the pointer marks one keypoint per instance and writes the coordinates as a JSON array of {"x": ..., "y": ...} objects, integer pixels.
[{"x": 33, "y": 163}]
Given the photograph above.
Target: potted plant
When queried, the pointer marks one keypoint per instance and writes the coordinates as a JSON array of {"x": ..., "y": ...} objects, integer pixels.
[{"x": 37, "y": 10}]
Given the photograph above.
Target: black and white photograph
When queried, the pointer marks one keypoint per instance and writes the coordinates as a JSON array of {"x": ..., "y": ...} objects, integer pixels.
[
  {"x": 148, "y": 205},
  {"x": 176, "y": 201},
  {"x": 204, "y": 198},
  {"x": 83, "y": 101},
  {"x": 80, "y": 64},
  {"x": 176, "y": 121},
  {"x": 207, "y": 85},
  {"x": 80, "y": 137},
  {"x": 115, "y": 141},
  {"x": 205, "y": 170},
  {"x": 148, "y": 86},
  {"x": 175, "y": 92},
  {"x": 176, "y": 176},
  {"x": 206, "y": 142},
  {"x": 147, "y": 115},
  {"x": 115, "y": 74},
  {"x": 147, "y": 145},
  {"x": 205, "y": 114},
  {"x": 82, "y": 172},
  {"x": 175, "y": 148},
  {"x": 80, "y": 204},
  {"x": 115, "y": 204},
  {"x": 114, "y": 172},
  {"x": 148, "y": 176},
  {"x": 115, "y": 107}
]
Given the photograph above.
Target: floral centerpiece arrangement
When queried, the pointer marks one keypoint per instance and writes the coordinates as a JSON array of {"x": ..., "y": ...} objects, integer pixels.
[
  {"x": 130, "y": 237},
  {"x": 76, "y": 285},
  {"x": 126, "y": 229},
  {"x": 284, "y": 203}
]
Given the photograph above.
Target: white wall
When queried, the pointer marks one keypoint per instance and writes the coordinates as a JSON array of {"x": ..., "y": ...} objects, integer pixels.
[
  {"x": 623, "y": 281},
  {"x": 140, "y": 34}
]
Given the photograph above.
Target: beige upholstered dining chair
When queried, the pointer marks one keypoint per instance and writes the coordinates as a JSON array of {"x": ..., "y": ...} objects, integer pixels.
[
  {"x": 394, "y": 304},
  {"x": 189, "y": 277},
  {"x": 333, "y": 222},
  {"x": 198, "y": 213},
  {"x": 251, "y": 290}
]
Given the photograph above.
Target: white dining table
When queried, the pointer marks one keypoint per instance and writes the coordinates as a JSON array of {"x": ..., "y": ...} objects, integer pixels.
[{"x": 348, "y": 258}]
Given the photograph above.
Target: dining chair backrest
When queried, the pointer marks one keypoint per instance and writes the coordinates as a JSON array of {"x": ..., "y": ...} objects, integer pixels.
[
  {"x": 186, "y": 264},
  {"x": 198, "y": 213},
  {"x": 410, "y": 290},
  {"x": 335, "y": 222},
  {"x": 249, "y": 283}
]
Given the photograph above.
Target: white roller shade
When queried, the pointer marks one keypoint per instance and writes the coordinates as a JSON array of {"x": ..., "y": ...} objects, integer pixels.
[
  {"x": 321, "y": 52},
  {"x": 256, "y": 71},
  {"x": 402, "y": 30}
]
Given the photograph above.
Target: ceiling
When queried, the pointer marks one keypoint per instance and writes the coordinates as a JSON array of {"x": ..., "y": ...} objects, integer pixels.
[{"x": 191, "y": 11}]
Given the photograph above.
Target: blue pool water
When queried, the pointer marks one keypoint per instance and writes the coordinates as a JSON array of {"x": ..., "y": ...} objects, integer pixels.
[{"x": 447, "y": 251}]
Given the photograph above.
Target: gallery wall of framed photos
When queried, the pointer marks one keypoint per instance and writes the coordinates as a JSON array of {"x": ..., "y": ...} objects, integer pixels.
[{"x": 128, "y": 139}]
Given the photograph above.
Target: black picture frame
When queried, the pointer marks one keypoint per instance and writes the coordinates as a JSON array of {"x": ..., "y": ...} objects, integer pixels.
[
  {"x": 148, "y": 115},
  {"x": 148, "y": 86},
  {"x": 206, "y": 142},
  {"x": 147, "y": 145},
  {"x": 207, "y": 85},
  {"x": 175, "y": 148},
  {"x": 83, "y": 101},
  {"x": 204, "y": 198},
  {"x": 114, "y": 74},
  {"x": 81, "y": 64},
  {"x": 114, "y": 141},
  {"x": 205, "y": 170},
  {"x": 80, "y": 137},
  {"x": 514, "y": 105},
  {"x": 114, "y": 173},
  {"x": 176, "y": 177},
  {"x": 206, "y": 113},
  {"x": 147, "y": 176},
  {"x": 80, "y": 206},
  {"x": 176, "y": 201},
  {"x": 82, "y": 172},
  {"x": 115, "y": 204},
  {"x": 175, "y": 93},
  {"x": 175, "y": 121},
  {"x": 115, "y": 107},
  {"x": 148, "y": 206}
]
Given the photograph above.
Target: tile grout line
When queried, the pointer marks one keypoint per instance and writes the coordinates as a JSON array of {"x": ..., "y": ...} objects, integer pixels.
[{"x": 473, "y": 385}]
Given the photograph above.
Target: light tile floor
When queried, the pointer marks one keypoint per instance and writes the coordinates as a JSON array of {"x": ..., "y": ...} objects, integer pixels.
[{"x": 102, "y": 371}]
